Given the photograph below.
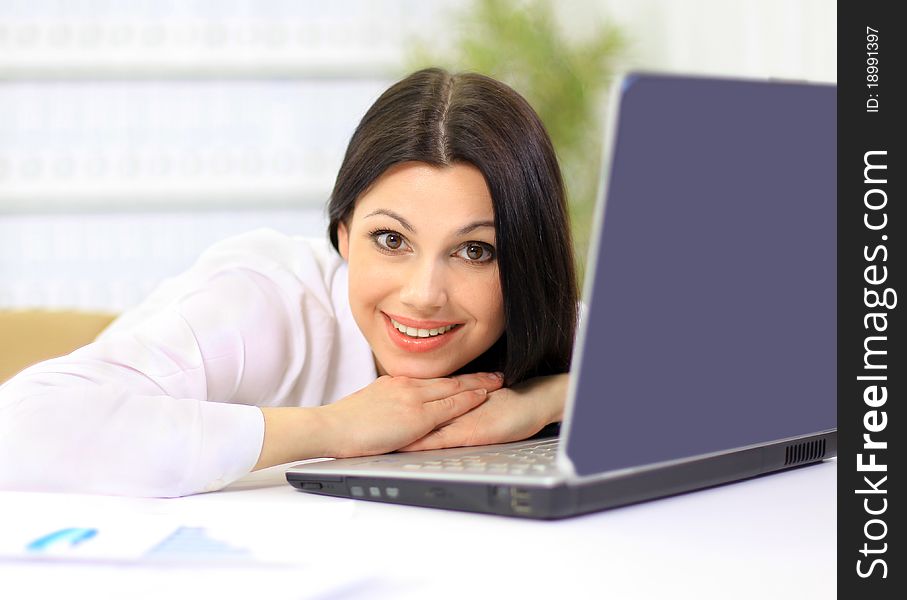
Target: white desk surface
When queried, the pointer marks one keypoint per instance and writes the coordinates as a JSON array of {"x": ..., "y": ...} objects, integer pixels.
[{"x": 770, "y": 537}]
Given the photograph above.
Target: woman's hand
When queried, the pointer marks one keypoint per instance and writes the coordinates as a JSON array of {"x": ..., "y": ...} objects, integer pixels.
[
  {"x": 392, "y": 412},
  {"x": 508, "y": 415}
]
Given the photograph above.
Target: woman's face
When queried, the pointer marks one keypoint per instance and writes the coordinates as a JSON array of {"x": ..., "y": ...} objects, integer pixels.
[{"x": 423, "y": 271}]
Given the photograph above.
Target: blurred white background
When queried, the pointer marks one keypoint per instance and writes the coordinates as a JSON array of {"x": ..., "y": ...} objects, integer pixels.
[{"x": 135, "y": 134}]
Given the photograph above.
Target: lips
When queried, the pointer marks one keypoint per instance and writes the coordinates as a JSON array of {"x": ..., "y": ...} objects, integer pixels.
[
  {"x": 420, "y": 324},
  {"x": 429, "y": 335}
]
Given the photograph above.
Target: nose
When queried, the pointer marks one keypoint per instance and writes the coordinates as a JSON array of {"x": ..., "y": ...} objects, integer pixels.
[{"x": 424, "y": 287}]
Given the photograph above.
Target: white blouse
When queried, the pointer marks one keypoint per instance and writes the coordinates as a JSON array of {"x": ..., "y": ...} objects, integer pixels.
[{"x": 164, "y": 403}]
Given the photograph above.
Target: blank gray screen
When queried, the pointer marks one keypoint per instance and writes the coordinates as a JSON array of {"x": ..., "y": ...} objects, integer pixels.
[{"x": 711, "y": 324}]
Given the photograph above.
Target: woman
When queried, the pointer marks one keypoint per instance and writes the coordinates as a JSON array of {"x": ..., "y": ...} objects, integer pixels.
[{"x": 446, "y": 320}]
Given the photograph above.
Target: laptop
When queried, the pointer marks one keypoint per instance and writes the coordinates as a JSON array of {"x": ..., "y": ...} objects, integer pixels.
[{"x": 707, "y": 353}]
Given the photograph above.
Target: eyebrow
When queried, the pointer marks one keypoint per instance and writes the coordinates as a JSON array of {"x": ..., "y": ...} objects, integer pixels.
[{"x": 406, "y": 224}]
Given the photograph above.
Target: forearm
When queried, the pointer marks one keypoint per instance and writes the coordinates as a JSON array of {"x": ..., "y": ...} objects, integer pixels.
[
  {"x": 549, "y": 395},
  {"x": 558, "y": 398},
  {"x": 60, "y": 432},
  {"x": 293, "y": 434}
]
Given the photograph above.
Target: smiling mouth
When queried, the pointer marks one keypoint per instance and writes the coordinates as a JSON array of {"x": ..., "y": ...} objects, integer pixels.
[{"x": 421, "y": 333}]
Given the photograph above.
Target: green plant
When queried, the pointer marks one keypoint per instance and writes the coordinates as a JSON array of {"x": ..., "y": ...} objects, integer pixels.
[{"x": 521, "y": 44}]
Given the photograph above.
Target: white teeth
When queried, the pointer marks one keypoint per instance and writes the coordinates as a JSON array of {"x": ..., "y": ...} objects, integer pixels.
[{"x": 422, "y": 333}]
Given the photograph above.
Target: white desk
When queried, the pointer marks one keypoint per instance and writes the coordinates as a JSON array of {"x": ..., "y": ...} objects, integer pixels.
[{"x": 771, "y": 537}]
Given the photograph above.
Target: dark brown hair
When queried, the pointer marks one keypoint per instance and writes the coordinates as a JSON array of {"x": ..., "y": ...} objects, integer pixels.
[{"x": 439, "y": 119}]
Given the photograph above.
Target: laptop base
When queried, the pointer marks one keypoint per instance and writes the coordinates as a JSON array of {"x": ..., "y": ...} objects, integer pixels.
[{"x": 566, "y": 499}]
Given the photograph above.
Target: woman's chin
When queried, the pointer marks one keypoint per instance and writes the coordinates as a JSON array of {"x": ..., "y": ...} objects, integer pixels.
[{"x": 418, "y": 371}]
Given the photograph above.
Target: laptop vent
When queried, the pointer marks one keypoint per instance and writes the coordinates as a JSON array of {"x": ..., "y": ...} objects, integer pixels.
[{"x": 804, "y": 452}]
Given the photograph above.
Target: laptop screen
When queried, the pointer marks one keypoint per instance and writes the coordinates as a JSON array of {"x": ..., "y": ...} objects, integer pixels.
[{"x": 712, "y": 319}]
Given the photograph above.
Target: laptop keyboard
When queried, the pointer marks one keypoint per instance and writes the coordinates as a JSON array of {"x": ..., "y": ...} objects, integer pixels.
[{"x": 537, "y": 458}]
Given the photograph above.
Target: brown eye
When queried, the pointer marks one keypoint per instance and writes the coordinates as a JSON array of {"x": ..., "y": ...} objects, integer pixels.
[
  {"x": 389, "y": 240},
  {"x": 479, "y": 253}
]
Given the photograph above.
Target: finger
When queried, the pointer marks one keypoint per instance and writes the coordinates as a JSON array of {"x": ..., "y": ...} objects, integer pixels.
[
  {"x": 449, "y": 407},
  {"x": 439, "y": 389},
  {"x": 474, "y": 381},
  {"x": 477, "y": 381},
  {"x": 430, "y": 390},
  {"x": 432, "y": 381},
  {"x": 467, "y": 381}
]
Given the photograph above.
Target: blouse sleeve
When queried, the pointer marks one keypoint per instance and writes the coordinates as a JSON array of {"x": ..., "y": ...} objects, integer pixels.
[{"x": 164, "y": 403}]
